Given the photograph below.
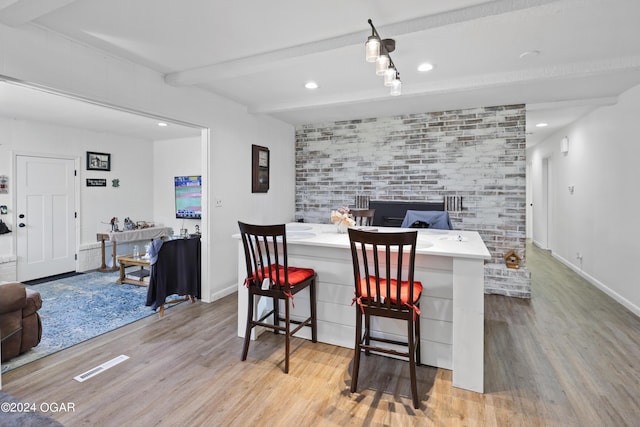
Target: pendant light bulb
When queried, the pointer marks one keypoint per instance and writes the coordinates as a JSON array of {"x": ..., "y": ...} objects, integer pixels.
[
  {"x": 396, "y": 87},
  {"x": 372, "y": 48},
  {"x": 389, "y": 76},
  {"x": 382, "y": 63}
]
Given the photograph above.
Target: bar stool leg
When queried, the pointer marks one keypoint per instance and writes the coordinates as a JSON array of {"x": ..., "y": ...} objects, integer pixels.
[
  {"x": 247, "y": 333},
  {"x": 357, "y": 351},
  {"x": 314, "y": 321},
  {"x": 276, "y": 314},
  {"x": 288, "y": 335},
  {"x": 412, "y": 363}
]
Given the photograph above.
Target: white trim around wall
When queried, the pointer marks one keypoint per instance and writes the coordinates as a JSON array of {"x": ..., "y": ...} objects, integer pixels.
[{"x": 598, "y": 284}]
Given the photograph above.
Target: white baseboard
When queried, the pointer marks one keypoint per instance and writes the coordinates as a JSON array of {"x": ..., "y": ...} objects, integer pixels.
[
  {"x": 223, "y": 292},
  {"x": 598, "y": 284},
  {"x": 538, "y": 244}
]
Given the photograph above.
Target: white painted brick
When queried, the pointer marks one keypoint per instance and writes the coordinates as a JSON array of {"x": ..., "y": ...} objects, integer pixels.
[{"x": 477, "y": 153}]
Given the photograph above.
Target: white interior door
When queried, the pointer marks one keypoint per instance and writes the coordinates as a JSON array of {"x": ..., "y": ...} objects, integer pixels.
[{"x": 46, "y": 232}]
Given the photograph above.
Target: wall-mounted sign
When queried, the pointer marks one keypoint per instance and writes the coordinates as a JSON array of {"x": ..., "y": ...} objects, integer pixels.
[{"x": 96, "y": 182}]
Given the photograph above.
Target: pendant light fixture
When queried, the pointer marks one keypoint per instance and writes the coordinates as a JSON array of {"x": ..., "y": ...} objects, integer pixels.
[{"x": 378, "y": 50}]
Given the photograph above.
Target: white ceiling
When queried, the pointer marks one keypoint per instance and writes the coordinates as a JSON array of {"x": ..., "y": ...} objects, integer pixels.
[
  {"x": 261, "y": 53},
  {"x": 26, "y": 103}
]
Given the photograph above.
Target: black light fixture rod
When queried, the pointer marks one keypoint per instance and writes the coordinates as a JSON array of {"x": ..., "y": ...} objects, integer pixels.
[
  {"x": 375, "y": 33},
  {"x": 384, "y": 46},
  {"x": 392, "y": 65}
]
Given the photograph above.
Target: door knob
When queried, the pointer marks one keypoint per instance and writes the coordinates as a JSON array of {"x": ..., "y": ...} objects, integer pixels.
[
  {"x": 21, "y": 216},
  {"x": 22, "y": 224}
]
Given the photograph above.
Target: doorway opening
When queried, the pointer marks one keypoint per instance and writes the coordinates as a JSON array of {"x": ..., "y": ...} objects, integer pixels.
[{"x": 26, "y": 103}]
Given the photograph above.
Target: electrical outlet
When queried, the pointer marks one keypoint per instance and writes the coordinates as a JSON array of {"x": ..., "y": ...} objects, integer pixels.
[{"x": 218, "y": 203}]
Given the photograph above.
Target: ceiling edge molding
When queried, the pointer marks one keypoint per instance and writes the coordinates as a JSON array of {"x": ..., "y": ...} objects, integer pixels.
[
  {"x": 99, "y": 103},
  {"x": 6, "y": 3},
  {"x": 278, "y": 58},
  {"x": 556, "y": 105},
  {"x": 19, "y": 12}
]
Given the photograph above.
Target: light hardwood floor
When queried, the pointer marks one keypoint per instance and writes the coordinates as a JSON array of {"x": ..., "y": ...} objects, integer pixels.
[{"x": 567, "y": 357}]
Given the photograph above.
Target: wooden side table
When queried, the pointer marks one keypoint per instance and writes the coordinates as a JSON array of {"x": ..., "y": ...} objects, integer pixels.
[
  {"x": 103, "y": 267},
  {"x": 129, "y": 261},
  {"x": 138, "y": 235}
]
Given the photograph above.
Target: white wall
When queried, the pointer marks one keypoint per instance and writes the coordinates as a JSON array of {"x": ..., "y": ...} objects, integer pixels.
[
  {"x": 130, "y": 163},
  {"x": 171, "y": 158},
  {"x": 145, "y": 170},
  {"x": 35, "y": 55},
  {"x": 598, "y": 219},
  {"x": 230, "y": 177}
]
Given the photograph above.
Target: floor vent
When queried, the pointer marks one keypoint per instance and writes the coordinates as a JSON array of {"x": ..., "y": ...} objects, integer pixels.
[{"x": 99, "y": 369}]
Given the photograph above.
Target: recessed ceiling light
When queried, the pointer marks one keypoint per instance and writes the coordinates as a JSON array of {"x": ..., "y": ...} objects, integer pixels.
[
  {"x": 541, "y": 125},
  {"x": 425, "y": 66},
  {"x": 163, "y": 124},
  {"x": 311, "y": 85},
  {"x": 529, "y": 54}
]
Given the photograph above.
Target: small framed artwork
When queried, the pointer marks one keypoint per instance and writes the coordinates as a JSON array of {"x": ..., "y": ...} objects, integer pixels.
[
  {"x": 98, "y": 161},
  {"x": 259, "y": 169}
]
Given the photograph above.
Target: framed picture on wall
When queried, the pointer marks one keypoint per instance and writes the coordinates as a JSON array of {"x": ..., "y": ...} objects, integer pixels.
[
  {"x": 259, "y": 169},
  {"x": 98, "y": 161}
]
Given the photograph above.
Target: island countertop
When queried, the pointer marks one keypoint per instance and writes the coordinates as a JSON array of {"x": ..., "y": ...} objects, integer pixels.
[
  {"x": 450, "y": 265},
  {"x": 449, "y": 243}
]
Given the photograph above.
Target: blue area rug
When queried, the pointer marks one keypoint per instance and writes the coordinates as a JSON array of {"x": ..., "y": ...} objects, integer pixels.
[{"x": 81, "y": 307}]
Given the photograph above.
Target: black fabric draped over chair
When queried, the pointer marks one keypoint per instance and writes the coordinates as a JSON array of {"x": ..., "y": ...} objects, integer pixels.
[{"x": 176, "y": 271}]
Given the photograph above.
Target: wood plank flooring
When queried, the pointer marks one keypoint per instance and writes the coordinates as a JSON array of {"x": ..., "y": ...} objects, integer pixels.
[{"x": 567, "y": 357}]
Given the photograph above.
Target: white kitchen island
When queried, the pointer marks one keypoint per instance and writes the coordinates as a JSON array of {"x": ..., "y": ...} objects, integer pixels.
[{"x": 450, "y": 265}]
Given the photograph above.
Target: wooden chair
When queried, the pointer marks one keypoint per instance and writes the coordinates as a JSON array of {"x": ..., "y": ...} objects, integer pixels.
[
  {"x": 363, "y": 217},
  {"x": 269, "y": 275},
  {"x": 383, "y": 272}
]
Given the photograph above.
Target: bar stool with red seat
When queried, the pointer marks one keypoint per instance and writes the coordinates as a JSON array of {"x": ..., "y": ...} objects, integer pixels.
[
  {"x": 269, "y": 275},
  {"x": 383, "y": 271}
]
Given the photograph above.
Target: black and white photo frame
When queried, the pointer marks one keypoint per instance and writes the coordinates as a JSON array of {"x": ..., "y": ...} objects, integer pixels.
[{"x": 98, "y": 161}]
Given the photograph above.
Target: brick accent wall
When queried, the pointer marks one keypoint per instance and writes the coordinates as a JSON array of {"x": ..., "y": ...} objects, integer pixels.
[{"x": 478, "y": 154}]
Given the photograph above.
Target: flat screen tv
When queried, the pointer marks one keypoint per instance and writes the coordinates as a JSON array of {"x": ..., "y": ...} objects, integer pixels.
[{"x": 188, "y": 190}]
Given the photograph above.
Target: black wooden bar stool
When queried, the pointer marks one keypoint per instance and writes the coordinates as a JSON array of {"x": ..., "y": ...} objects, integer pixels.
[
  {"x": 383, "y": 269},
  {"x": 269, "y": 275}
]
